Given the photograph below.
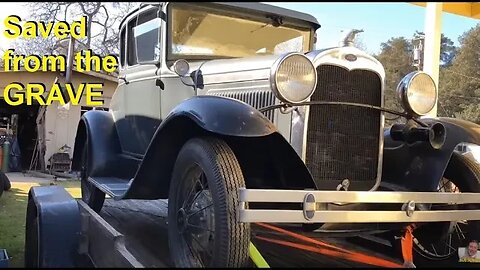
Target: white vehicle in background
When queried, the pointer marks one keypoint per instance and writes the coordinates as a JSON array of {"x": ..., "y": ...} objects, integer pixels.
[{"x": 471, "y": 151}]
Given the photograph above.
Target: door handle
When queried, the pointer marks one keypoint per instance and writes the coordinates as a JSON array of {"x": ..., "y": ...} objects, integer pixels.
[{"x": 159, "y": 83}]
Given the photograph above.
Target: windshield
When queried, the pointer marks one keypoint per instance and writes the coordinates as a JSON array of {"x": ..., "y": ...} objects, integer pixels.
[{"x": 197, "y": 33}]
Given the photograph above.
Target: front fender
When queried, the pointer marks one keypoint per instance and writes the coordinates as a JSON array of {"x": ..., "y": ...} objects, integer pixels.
[
  {"x": 239, "y": 124},
  {"x": 225, "y": 116},
  {"x": 97, "y": 129},
  {"x": 419, "y": 167}
]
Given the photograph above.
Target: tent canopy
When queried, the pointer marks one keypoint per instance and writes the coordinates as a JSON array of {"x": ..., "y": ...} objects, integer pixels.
[{"x": 467, "y": 9}]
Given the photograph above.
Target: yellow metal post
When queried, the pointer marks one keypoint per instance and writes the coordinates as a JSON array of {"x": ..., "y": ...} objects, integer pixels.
[{"x": 433, "y": 33}]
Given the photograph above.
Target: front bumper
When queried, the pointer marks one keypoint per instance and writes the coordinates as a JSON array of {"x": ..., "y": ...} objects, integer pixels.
[{"x": 314, "y": 201}]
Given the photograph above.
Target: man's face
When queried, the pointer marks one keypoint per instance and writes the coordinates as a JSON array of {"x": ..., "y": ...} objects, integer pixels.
[{"x": 472, "y": 248}]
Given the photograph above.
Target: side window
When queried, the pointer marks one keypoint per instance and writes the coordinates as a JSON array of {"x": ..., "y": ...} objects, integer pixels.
[
  {"x": 122, "y": 47},
  {"x": 147, "y": 36},
  {"x": 131, "y": 52},
  {"x": 143, "y": 37}
]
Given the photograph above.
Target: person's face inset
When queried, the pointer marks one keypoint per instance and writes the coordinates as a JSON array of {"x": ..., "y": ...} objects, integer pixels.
[{"x": 472, "y": 248}]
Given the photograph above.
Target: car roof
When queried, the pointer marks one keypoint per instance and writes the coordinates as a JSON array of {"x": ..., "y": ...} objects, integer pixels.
[
  {"x": 266, "y": 8},
  {"x": 256, "y": 7}
]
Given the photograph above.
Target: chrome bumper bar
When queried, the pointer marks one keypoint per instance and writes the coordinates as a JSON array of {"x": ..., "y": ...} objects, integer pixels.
[{"x": 312, "y": 204}]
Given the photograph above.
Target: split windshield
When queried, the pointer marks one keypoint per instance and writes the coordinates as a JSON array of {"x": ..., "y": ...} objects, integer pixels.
[{"x": 198, "y": 33}]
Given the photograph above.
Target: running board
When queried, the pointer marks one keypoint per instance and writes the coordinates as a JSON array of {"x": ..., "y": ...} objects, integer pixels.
[
  {"x": 312, "y": 203},
  {"x": 113, "y": 186}
]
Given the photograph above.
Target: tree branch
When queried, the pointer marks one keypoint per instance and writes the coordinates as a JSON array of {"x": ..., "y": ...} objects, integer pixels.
[
  {"x": 106, "y": 29},
  {"x": 66, "y": 9},
  {"x": 106, "y": 15}
]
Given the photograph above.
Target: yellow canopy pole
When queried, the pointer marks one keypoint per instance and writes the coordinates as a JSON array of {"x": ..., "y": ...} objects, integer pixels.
[{"x": 431, "y": 53}]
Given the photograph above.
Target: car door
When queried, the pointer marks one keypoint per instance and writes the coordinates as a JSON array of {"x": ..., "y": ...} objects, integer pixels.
[{"x": 141, "y": 95}]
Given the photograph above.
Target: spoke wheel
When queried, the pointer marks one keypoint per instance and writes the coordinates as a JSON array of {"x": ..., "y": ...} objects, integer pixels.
[
  {"x": 202, "y": 210},
  {"x": 440, "y": 240},
  {"x": 195, "y": 219}
]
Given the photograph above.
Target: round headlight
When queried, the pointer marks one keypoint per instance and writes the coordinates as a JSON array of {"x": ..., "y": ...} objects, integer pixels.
[
  {"x": 417, "y": 93},
  {"x": 293, "y": 78}
]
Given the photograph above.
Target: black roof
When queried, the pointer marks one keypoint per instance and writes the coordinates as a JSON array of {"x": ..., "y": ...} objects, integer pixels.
[{"x": 263, "y": 8}]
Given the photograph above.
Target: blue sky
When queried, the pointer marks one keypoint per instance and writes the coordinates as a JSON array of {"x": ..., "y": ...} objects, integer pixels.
[{"x": 380, "y": 21}]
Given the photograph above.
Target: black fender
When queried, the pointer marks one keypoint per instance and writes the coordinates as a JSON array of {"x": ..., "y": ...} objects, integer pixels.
[
  {"x": 247, "y": 131},
  {"x": 224, "y": 116},
  {"x": 418, "y": 166},
  {"x": 105, "y": 153},
  {"x": 52, "y": 228}
]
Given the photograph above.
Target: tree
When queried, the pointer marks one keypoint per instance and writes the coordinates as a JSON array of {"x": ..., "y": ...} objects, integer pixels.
[
  {"x": 103, "y": 19},
  {"x": 36, "y": 46},
  {"x": 396, "y": 58},
  {"x": 470, "y": 112},
  {"x": 460, "y": 82}
]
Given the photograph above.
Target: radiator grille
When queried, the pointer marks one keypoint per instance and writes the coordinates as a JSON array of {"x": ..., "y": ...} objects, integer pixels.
[
  {"x": 343, "y": 141},
  {"x": 255, "y": 98}
]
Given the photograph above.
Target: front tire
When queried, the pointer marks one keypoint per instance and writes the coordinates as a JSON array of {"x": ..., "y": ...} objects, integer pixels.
[
  {"x": 203, "y": 225},
  {"x": 91, "y": 195}
]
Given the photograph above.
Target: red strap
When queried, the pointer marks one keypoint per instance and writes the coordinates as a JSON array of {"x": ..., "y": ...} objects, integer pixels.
[
  {"x": 407, "y": 247},
  {"x": 332, "y": 251},
  {"x": 356, "y": 257}
]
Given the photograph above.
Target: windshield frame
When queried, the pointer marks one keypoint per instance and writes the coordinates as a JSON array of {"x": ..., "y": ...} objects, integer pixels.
[{"x": 215, "y": 8}]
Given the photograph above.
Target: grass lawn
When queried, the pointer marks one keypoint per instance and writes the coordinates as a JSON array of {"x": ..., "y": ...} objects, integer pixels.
[{"x": 13, "y": 207}]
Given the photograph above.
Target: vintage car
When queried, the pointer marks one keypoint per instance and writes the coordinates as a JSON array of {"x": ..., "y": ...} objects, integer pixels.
[{"x": 227, "y": 110}]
